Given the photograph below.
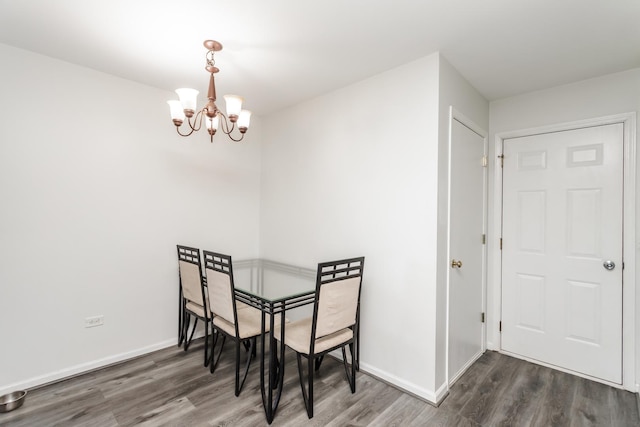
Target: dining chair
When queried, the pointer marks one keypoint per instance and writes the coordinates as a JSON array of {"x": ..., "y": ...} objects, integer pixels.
[
  {"x": 235, "y": 320},
  {"x": 334, "y": 323},
  {"x": 193, "y": 298}
]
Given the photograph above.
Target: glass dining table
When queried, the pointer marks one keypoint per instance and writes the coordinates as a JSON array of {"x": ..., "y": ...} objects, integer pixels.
[{"x": 274, "y": 288}]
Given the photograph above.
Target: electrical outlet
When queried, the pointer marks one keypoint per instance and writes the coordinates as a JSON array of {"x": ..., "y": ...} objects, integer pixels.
[{"x": 90, "y": 322}]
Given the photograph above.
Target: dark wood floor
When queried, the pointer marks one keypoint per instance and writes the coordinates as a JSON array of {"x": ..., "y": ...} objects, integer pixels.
[{"x": 171, "y": 388}]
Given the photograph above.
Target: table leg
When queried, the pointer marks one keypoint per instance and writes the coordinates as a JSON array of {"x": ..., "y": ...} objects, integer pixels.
[
  {"x": 271, "y": 389},
  {"x": 273, "y": 361},
  {"x": 269, "y": 405},
  {"x": 265, "y": 404}
]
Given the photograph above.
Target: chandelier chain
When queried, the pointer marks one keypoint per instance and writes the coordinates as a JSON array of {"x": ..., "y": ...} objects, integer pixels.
[{"x": 211, "y": 61}]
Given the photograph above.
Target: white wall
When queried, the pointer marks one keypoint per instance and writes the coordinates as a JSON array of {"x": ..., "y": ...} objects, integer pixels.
[
  {"x": 96, "y": 190},
  {"x": 355, "y": 172},
  {"x": 604, "y": 96},
  {"x": 455, "y": 92}
]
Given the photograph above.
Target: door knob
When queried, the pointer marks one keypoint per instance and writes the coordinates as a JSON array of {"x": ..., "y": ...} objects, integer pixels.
[
  {"x": 455, "y": 263},
  {"x": 609, "y": 265}
]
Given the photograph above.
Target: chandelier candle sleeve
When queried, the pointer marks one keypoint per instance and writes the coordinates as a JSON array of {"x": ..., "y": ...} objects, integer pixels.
[
  {"x": 186, "y": 108},
  {"x": 243, "y": 120},
  {"x": 234, "y": 106},
  {"x": 189, "y": 100},
  {"x": 177, "y": 112},
  {"x": 212, "y": 125}
]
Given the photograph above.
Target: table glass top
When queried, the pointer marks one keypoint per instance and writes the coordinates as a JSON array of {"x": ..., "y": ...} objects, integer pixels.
[{"x": 271, "y": 280}]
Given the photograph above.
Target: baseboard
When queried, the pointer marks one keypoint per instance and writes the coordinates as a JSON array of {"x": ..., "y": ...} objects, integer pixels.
[
  {"x": 84, "y": 367},
  {"x": 429, "y": 396}
]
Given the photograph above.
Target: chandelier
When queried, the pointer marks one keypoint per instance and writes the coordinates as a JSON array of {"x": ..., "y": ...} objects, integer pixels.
[{"x": 236, "y": 118}]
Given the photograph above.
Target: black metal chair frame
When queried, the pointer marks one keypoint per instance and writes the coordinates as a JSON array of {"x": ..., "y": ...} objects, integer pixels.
[
  {"x": 223, "y": 264},
  {"x": 192, "y": 256},
  {"x": 329, "y": 272}
]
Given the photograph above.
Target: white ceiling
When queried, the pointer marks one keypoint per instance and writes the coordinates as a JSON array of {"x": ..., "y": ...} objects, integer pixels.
[{"x": 280, "y": 52}]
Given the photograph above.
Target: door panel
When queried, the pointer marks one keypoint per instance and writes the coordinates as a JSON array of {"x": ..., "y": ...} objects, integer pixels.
[
  {"x": 467, "y": 219},
  {"x": 562, "y": 219}
]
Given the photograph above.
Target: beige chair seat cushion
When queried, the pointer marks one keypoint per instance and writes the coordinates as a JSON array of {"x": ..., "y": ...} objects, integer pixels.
[
  {"x": 298, "y": 336},
  {"x": 195, "y": 308},
  {"x": 249, "y": 323}
]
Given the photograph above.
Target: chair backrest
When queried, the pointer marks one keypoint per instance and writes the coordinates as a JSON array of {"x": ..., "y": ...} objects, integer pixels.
[
  {"x": 219, "y": 271},
  {"x": 190, "y": 268},
  {"x": 338, "y": 286}
]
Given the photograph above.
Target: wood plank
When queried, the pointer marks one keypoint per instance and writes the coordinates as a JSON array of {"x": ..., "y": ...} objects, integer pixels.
[
  {"x": 466, "y": 386},
  {"x": 555, "y": 406},
  {"x": 171, "y": 387},
  {"x": 400, "y": 412},
  {"x": 488, "y": 395},
  {"x": 522, "y": 398},
  {"x": 623, "y": 407}
]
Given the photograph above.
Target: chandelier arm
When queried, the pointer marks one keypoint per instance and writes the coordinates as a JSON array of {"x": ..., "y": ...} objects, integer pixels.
[
  {"x": 197, "y": 120},
  {"x": 235, "y": 140},
  {"x": 225, "y": 127},
  {"x": 195, "y": 126},
  {"x": 184, "y": 134},
  {"x": 225, "y": 124}
]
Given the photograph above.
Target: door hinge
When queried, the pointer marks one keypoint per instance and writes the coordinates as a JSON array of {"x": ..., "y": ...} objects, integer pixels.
[
  {"x": 484, "y": 239},
  {"x": 482, "y": 318},
  {"x": 501, "y": 157},
  {"x": 500, "y": 326},
  {"x": 501, "y": 243},
  {"x": 485, "y": 162}
]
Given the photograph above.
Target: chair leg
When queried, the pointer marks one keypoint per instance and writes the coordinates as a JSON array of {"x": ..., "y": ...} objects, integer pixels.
[
  {"x": 215, "y": 358},
  {"x": 307, "y": 392},
  {"x": 185, "y": 328},
  {"x": 195, "y": 323},
  {"x": 356, "y": 355},
  {"x": 351, "y": 374},
  {"x": 206, "y": 342},
  {"x": 310, "y": 387},
  {"x": 250, "y": 343},
  {"x": 183, "y": 321},
  {"x": 319, "y": 362},
  {"x": 237, "y": 365},
  {"x": 180, "y": 320}
]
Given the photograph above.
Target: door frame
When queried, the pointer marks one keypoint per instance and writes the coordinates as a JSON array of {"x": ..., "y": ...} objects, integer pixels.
[
  {"x": 629, "y": 245},
  {"x": 458, "y": 116}
]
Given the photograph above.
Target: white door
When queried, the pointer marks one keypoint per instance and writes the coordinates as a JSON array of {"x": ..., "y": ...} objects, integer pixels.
[
  {"x": 562, "y": 249},
  {"x": 466, "y": 247}
]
